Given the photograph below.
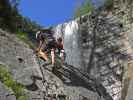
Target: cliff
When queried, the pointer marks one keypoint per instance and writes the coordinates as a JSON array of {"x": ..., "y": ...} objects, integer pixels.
[
  {"x": 98, "y": 44},
  {"x": 24, "y": 67},
  {"x": 98, "y": 63}
]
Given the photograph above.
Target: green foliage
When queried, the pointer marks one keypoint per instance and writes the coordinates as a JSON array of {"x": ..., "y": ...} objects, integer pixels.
[
  {"x": 12, "y": 20},
  {"x": 7, "y": 80},
  {"x": 15, "y": 3},
  {"x": 108, "y": 4},
  {"x": 24, "y": 37},
  {"x": 22, "y": 98},
  {"x": 85, "y": 8},
  {"x": 6, "y": 15}
]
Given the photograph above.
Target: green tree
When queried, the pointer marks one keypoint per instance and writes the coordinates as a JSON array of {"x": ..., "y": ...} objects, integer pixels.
[
  {"x": 12, "y": 20},
  {"x": 15, "y": 3},
  {"x": 6, "y": 15},
  {"x": 85, "y": 8}
]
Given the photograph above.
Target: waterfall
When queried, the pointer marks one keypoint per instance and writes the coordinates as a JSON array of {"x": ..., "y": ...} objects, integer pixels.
[{"x": 70, "y": 33}]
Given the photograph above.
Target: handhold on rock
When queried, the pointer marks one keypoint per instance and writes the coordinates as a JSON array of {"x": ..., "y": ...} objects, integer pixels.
[
  {"x": 121, "y": 25},
  {"x": 21, "y": 60}
]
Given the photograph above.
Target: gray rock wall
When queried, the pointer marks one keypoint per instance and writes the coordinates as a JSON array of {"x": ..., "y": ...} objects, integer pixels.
[
  {"x": 98, "y": 50},
  {"x": 98, "y": 44},
  {"x": 123, "y": 10},
  {"x": 21, "y": 61},
  {"x": 18, "y": 58}
]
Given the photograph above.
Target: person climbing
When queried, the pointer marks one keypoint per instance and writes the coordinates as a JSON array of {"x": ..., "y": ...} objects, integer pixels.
[
  {"x": 60, "y": 48},
  {"x": 46, "y": 42}
]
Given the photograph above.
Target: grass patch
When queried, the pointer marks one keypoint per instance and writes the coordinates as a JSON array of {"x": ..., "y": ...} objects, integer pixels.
[
  {"x": 24, "y": 37},
  {"x": 10, "y": 83}
]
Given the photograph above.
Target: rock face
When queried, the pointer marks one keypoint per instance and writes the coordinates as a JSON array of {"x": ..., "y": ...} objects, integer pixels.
[
  {"x": 18, "y": 58},
  {"x": 24, "y": 67},
  {"x": 98, "y": 44},
  {"x": 123, "y": 10},
  {"x": 98, "y": 53}
]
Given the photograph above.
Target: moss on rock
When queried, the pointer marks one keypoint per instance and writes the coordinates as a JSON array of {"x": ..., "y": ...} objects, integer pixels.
[{"x": 10, "y": 83}]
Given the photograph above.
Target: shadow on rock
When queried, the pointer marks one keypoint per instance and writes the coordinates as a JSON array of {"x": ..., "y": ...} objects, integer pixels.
[
  {"x": 33, "y": 86},
  {"x": 72, "y": 77}
]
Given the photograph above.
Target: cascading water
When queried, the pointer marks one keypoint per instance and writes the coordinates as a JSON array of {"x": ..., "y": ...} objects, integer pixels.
[{"x": 70, "y": 34}]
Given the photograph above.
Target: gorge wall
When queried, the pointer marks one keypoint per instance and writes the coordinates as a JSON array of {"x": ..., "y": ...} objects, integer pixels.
[
  {"x": 98, "y": 63},
  {"x": 44, "y": 84},
  {"x": 99, "y": 44}
]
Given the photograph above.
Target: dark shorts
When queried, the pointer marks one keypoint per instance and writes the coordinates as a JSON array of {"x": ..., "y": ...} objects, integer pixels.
[
  {"x": 41, "y": 37},
  {"x": 50, "y": 45}
]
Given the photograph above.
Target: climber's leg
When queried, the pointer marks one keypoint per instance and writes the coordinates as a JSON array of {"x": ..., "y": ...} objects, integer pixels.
[
  {"x": 53, "y": 56},
  {"x": 43, "y": 55},
  {"x": 62, "y": 56}
]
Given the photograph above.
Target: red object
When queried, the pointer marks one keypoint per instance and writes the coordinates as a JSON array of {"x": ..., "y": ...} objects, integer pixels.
[{"x": 60, "y": 45}]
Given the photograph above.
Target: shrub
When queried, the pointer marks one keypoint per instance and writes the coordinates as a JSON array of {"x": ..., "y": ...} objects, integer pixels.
[
  {"x": 7, "y": 80},
  {"x": 24, "y": 37},
  {"x": 85, "y": 8}
]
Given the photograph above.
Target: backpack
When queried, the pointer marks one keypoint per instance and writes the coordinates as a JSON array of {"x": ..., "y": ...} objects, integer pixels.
[
  {"x": 44, "y": 36},
  {"x": 37, "y": 34}
]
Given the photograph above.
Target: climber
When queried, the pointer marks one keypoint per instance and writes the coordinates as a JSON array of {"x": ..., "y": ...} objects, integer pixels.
[
  {"x": 60, "y": 48},
  {"x": 46, "y": 42}
]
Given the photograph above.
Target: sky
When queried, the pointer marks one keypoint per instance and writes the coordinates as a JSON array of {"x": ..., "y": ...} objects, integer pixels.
[{"x": 49, "y": 12}]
